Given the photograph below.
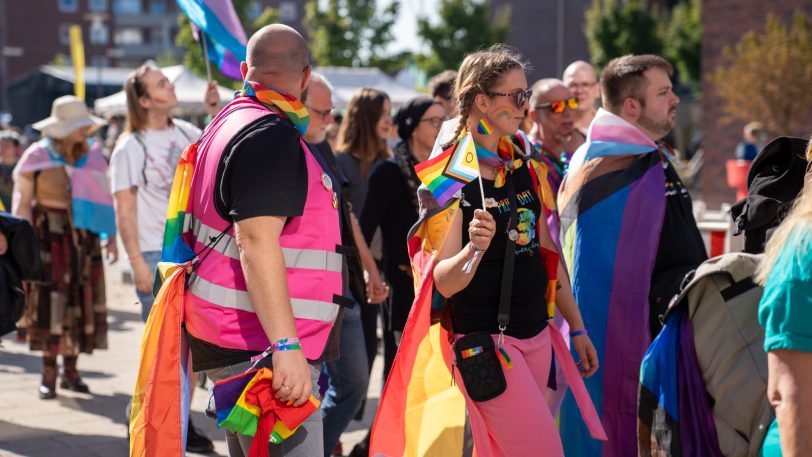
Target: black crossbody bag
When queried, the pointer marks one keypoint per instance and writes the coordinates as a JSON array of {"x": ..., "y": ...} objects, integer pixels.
[{"x": 475, "y": 353}]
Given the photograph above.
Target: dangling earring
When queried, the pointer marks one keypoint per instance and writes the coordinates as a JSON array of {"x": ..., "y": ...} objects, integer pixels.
[{"x": 483, "y": 127}]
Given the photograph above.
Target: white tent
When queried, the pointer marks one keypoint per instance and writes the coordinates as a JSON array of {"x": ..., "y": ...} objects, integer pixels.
[
  {"x": 189, "y": 89},
  {"x": 347, "y": 80}
]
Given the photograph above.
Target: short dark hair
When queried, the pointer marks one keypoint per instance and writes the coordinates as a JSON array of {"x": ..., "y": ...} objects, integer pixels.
[
  {"x": 623, "y": 78},
  {"x": 442, "y": 84}
]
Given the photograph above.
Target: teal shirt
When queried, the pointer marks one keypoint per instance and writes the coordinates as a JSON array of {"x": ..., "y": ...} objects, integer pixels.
[{"x": 785, "y": 310}]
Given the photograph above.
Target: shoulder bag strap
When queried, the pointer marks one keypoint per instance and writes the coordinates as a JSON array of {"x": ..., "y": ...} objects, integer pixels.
[{"x": 503, "y": 317}]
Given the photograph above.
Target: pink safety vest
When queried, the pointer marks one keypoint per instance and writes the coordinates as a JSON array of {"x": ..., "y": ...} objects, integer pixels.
[{"x": 218, "y": 309}]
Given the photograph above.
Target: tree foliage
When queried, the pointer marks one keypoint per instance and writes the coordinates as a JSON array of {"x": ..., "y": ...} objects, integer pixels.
[
  {"x": 614, "y": 30},
  {"x": 193, "y": 57},
  {"x": 351, "y": 33},
  {"x": 464, "y": 26},
  {"x": 768, "y": 76},
  {"x": 683, "y": 39}
]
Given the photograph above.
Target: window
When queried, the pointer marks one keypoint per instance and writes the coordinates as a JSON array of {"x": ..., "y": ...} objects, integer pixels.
[
  {"x": 99, "y": 33},
  {"x": 287, "y": 11},
  {"x": 158, "y": 35},
  {"x": 100, "y": 62},
  {"x": 64, "y": 35},
  {"x": 129, "y": 36},
  {"x": 97, "y": 6},
  {"x": 157, "y": 6},
  {"x": 68, "y": 6},
  {"x": 127, "y": 6}
]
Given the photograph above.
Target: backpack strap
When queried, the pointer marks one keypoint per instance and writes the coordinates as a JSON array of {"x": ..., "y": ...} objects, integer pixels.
[{"x": 738, "y": 288}]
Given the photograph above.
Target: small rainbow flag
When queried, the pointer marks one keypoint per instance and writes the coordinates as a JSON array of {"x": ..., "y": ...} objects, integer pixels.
[
  {"x": 247, "y": 405},
  {"x": 448, "y": 172}
]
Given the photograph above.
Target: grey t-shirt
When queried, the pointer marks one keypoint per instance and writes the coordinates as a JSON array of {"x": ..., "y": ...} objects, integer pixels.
[{"x": 358, "y": 185}]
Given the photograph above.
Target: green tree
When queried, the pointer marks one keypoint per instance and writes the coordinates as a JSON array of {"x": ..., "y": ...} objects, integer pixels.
[
  {"x": 351, "y": 33},
  {"x": 768, "y": 75},
  {"x": 464, "y": 26},
  {"x": 683, "y": 39},
  {"x": 614, "y": 30},
  {"x": 193, "y": 57}
]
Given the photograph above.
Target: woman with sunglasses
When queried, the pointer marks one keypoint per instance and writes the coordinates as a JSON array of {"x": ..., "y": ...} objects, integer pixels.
[
  {"x": 491, "y": 91},
  {"x": 391, "y": 204}
]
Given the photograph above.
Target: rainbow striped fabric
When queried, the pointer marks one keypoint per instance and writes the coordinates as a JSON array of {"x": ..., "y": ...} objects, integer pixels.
[
  {"x": 471, "y": 352},
  {"x": 246, "y": 404},
  {"x": 175, "y": 248},
  {"x": 290, "y": 106}
]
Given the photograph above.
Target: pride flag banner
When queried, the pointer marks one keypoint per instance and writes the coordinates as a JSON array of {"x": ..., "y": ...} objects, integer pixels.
[
  {"x": 175, "y": 248},
  {"x": 246, "y": 404},
  {"x": 222, "y": 30},
  {"x": 448, "y": 172}
]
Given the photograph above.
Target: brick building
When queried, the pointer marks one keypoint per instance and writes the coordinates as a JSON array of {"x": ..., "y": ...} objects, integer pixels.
[
  {"x": 116, "y": 33},
  {"x": 724, "y": 22}
]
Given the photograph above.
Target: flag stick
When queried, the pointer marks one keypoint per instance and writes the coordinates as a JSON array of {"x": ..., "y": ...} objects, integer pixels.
[
  {"x": 206, "y": 55},
  {"x": 482, "y": 190}
]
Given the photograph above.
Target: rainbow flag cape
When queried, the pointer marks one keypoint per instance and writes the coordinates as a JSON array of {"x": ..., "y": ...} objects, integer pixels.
[
  {"x": 91, "y": 200},
  {"x": 246, "y": 404},
  {"x": 421, "y": 412},
  {"x": 222, "y": 30},
  {"x": 160, "y": 404},
  {"x": 176, "y": 248},
  {"x": 448, "y": 172},
  {"x": 612, "y": 204}
]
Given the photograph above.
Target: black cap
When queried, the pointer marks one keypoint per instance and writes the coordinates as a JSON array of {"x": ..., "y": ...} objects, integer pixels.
[{"x": 410, "y": 113}]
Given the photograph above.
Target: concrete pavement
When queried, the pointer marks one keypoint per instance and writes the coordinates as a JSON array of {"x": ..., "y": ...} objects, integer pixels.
[{"x": 76, "y": 424}]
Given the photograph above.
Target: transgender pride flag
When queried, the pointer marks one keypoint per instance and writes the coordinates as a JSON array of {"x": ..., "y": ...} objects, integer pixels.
[{"x": 222, "y": 30}]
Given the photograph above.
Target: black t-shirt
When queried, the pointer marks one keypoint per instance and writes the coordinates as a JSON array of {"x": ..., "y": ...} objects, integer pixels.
[
  {"x": 681, "y": 248},
  {"x": 475, "y": 308},
  {"x": 262, "y": 172}
]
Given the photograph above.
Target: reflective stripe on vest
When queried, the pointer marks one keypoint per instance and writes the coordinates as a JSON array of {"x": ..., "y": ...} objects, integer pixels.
[{"x": 310, "y": 259}]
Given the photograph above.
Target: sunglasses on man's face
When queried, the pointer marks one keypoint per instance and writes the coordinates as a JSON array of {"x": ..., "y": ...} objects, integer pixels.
[
  {"x": 520, "y": 97},
  {"x": 559, "y": 106}
]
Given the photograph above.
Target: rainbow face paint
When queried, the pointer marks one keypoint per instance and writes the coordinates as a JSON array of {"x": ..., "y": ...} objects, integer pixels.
[
  {"x": 484, "y": 127},
  {"x": 503, "y": 113}
]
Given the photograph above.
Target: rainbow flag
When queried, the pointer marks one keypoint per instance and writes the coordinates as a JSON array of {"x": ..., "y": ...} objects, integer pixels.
[
  {"x": 175, "y": 248},
  {"x": 246, "y": 404},
  {"x": 222, "y": 30},
  {"x": 447, "y": 173},
  {"x": 160, "y": 404},
  {"x": 421, "y": 412}
]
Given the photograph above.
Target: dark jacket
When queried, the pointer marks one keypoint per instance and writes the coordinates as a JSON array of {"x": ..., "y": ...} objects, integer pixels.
[{"x": 21, "y": 262}]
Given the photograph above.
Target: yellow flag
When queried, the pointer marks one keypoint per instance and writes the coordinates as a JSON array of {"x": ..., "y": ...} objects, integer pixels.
[{"x": 77, "y": 54}]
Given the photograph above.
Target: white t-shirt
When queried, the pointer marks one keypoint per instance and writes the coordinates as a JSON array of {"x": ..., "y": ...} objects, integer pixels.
[{"x": 147, "y": 160}]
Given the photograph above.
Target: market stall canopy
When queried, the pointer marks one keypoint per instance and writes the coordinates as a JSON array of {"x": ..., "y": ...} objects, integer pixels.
[{"x": 347, "y": 80}]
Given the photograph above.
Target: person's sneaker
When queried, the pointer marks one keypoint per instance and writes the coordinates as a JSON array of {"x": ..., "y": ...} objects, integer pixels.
[{"x": 195, "y": 442}]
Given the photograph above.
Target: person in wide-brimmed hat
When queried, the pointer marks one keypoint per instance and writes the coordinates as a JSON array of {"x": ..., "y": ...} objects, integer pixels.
[{"x": 61, "y": 187}]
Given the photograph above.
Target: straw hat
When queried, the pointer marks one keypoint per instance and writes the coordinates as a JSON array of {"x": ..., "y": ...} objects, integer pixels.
[{"x": 68, "y": 113}]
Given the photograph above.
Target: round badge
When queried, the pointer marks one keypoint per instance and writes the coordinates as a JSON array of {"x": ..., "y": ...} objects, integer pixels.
[
  {"x": 513, "y": 235},
  {"x": 326, "y": 182},
  {"x": 335, "y": 200}
]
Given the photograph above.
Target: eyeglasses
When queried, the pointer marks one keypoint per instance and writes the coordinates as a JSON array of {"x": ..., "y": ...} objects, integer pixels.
[
  {"x": 520, "y": 96},
  {"x": 436, "y": 121},
  {"x": 559, "y": 106},
  {"x": 323, "y": 114}
]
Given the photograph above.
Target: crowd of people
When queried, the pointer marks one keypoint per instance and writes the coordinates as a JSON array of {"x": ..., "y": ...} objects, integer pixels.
[{"x": 305, "y": 218}]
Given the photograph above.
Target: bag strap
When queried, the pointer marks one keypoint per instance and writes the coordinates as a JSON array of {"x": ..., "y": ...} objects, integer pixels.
[{"x": 505, "y": 295}]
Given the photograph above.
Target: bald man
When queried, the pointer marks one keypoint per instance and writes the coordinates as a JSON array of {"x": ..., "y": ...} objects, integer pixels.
[
  {"x": 582, "y": 81},
  {"x": 266, "y": 230}
]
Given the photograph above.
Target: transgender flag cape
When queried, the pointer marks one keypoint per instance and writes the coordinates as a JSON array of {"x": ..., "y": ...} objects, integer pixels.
[
  {"x": 421, "y": 412},
  {"x": 612, "y": 204},
  {"x": 91, "y": 201}
]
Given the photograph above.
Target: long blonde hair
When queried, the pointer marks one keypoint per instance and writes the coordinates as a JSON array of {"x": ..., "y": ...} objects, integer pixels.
[
  {"x": 800, "y": 213},
  {"x": 479, "y": 73},
  {"x": 358, "y": 134}
]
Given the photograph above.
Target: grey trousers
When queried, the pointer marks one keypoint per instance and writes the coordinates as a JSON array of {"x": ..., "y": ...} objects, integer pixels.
[{"x": 308, "y": 441}]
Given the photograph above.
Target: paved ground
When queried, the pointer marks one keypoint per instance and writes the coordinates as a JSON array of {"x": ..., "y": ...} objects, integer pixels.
[{"x": 77, "y": 424}]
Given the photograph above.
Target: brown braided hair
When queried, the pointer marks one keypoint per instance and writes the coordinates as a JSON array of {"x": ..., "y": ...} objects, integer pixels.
[{"x": 479, "y": 73}]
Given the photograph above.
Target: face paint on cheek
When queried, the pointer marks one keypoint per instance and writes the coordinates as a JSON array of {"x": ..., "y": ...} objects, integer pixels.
[{"x": 504, "y": 113}]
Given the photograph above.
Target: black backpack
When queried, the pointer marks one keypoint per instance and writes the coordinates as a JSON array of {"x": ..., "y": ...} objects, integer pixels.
[{"x": 775, "y": 178}]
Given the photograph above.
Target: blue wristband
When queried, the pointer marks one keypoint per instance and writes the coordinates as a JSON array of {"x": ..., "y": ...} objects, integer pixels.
[{"x": 578, "y": 332}]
